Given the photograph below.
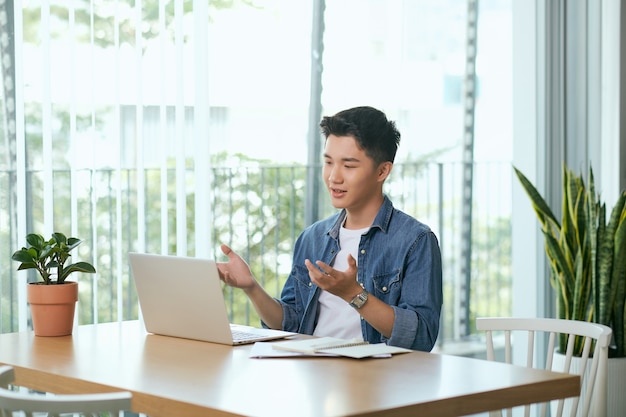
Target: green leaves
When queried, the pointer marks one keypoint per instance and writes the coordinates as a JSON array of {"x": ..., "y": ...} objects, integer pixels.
[
  {"x": 543, "y": 211},
  {"x": 615, "y": 269},
  {"x": 78, "y": 267},
  {"x": 51, "y": 255},
  {"x": 587, "y": 256},
  {"x": 35, "y": 240}
]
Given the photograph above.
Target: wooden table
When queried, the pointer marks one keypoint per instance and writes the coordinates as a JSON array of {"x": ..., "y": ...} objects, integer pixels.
[{"x": 178, "y": 377}]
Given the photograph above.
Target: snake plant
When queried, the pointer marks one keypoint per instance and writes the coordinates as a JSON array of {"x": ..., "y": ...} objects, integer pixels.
[{"x": 586, "y": 254}]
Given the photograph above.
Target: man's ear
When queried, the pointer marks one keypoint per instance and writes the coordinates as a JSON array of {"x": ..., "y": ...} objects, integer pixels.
[{"x": 384, "y": 169}]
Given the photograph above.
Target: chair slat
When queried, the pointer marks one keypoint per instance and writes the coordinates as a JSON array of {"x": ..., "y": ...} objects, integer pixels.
[
  {"x": 85, "y": 404},
  {"x": 593, "y": 364}
]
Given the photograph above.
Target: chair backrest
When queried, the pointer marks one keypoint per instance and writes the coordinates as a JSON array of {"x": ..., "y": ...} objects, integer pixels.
[
  {"x": 596, "y": 339},
  {"x": 26, "y": 403}
]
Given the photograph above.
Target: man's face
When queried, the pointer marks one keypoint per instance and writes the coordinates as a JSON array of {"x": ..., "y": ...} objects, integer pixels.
[{"x": 351, "y": 177}]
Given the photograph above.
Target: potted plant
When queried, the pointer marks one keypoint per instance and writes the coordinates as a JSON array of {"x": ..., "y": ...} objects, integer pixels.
[
  {"x": 586, "y": 254},
  {"x": 53, "y": 299}
]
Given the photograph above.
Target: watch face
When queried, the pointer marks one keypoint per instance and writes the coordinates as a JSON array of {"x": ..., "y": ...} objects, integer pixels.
[{"x": 359, "y": 300}]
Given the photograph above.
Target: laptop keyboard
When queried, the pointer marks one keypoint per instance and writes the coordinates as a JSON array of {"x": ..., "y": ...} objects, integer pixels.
[{"x": 239, "y": 335}]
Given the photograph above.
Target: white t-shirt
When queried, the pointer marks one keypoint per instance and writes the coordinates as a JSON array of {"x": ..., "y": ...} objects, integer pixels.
[{"x": 337, "y": 318}]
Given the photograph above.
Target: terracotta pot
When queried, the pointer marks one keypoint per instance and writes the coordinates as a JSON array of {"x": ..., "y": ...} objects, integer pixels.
[{"x": 52, "y": 307}]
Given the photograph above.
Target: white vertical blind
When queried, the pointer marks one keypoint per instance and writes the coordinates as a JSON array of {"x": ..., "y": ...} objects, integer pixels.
[
  {"x": 72, "y": 116},
  {"x": 181, "y": 187},
  {"x": 162, "y": 137},
  {"x": 20, "y": 163},
  {"x": 90, "y": 79},
  {"x": 120, "y": 253},
  {"x": 201, "y": 138},
  {"x": 46, "y": 124},
  {"x": 139, "y": 137},
  {"x": 93, "y": 185},
  {"x": 73, "y": 157}
]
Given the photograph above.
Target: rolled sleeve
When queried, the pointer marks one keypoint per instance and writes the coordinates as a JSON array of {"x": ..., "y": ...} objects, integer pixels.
[
  {"x": 416, "y": 322},
  {"x": 405, "y": 327}
]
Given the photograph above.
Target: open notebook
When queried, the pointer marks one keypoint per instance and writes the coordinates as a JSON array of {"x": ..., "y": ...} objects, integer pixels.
[
  {"x": 325, "y": 346},
  {"x": 182, "y": 297}
]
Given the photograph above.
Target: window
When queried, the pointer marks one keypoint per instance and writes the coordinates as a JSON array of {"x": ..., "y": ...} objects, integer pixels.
[{"x": 174, "y": 126}]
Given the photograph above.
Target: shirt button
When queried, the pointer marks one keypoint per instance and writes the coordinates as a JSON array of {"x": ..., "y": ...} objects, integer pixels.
[
  {"x": 362, "y": 251},
  {"x": 384, "y": 288},
  {"x": 310, "y": 284}
]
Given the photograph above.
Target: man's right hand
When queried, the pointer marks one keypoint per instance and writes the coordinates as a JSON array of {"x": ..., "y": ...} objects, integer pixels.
[{"x": 236, "y": 271}]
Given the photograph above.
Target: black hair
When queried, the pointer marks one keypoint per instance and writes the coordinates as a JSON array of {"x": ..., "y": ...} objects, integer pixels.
[{"x": 371, "y": 129}]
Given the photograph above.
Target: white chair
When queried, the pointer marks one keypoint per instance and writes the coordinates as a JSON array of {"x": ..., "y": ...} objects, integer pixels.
[
  {"x": 28, "y": 404},
  {"x": 593, "y": 380}
]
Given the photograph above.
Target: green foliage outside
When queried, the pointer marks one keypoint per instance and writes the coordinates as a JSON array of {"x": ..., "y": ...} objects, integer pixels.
[
  {"x": 258, "y": 207},
  {"x": 259, "y": 210}
]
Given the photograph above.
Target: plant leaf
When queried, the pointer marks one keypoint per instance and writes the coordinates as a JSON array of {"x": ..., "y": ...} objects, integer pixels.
[
  {"x": 35, "y": 240},
  {"x": 23, "y": 255},
  {"x": 59, "y": 238},
  {"x": 26, "y": 265},
  {"x": 543, "y": 211},
  {"x": 77, "y": 267}
]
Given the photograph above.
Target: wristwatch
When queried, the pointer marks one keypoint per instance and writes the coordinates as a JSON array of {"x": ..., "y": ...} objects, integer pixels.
[{"x": 360, "y": 300}]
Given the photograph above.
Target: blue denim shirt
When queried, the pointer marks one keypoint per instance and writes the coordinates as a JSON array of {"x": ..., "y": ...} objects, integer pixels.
[{"x": 399, "y": 263}]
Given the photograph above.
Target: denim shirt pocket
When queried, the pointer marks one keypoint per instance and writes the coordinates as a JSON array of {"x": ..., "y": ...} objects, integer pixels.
[{"x": 387, "y": 286}]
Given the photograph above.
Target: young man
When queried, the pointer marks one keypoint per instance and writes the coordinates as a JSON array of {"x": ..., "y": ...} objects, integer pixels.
[{"x": 369, "y": 271}]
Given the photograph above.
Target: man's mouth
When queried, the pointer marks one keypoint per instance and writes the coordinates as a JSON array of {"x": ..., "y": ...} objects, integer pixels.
[{"x": 337, "y": 191}]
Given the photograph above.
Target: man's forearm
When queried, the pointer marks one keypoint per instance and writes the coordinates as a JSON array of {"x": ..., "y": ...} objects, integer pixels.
[{"x": 268, "y": 309}]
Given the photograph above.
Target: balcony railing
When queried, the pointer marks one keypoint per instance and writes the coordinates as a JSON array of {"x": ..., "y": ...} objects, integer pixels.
[{"x": 259, "y": 211}]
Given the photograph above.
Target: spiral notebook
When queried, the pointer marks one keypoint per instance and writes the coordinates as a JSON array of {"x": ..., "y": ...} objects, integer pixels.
[{"x": 325, "y": 346}]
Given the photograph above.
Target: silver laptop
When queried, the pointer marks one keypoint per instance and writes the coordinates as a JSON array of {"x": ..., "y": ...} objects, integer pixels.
[{"x": 182, "y": 297}]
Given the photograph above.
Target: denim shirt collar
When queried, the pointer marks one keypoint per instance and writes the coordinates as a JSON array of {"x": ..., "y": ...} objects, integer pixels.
[{"x": 381, "y": 220}]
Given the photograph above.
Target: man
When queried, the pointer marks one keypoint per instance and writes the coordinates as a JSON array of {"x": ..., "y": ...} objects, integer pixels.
[{"x": 369, "y": 271}]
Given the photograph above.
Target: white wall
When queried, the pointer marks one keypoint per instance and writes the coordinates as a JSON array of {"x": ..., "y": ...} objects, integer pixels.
[{"x": 527, "y": 89}]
